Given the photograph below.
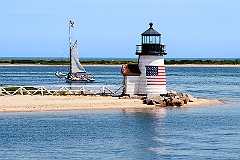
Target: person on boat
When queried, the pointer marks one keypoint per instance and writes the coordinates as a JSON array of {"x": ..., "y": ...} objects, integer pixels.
[
  {"x": 85, "y": 77},
  {"x": 69, "y": 76},
  {"x": 76, "y": 75}
]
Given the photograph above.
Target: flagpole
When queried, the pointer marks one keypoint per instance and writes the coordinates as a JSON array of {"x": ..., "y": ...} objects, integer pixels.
[{"x": 70, "y": 40}]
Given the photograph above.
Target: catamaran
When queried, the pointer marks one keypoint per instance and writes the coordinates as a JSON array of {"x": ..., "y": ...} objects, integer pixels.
[{"x": 75, "y": 66}]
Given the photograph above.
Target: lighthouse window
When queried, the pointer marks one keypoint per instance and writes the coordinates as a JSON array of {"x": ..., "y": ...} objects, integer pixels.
[
  {"x": 152, "y": 39},
  {"x": 157, "y": 39},
  {"x": 146, "y": 39},
  {"x": 143, "y": 39}
]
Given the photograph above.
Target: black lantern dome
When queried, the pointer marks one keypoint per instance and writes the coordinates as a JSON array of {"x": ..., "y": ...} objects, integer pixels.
[
  {"x": 151, "y": 31},
  {"x": 151, "y": 43}
]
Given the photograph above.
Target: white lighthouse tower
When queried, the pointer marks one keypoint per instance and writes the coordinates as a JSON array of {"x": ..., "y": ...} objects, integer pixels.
[{"x": 148, "y": 76}]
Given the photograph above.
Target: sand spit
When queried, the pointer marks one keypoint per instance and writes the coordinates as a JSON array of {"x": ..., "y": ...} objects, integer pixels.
[{"x": 36, "y": 103}]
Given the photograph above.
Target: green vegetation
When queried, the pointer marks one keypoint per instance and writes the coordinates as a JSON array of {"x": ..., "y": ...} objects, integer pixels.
[
  {"x": 108, "y": 62},
  {"x": 204, "y": 62},
  {"x": 66, "y": 62},
  {"x": 42, "y": 62},
  {"x": 119, "y": 62}
]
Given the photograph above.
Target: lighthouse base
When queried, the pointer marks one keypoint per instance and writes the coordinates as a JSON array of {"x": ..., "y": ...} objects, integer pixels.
[
  {"x": 146, "y": 77},
  {"x": 133, "y": 86}
]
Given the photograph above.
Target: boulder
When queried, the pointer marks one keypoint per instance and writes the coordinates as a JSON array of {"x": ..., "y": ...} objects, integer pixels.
[
  {"x": 150, "y": 102},
  {"x": 190, "y": 97},
  {"x": 172, "y": 98},
  {"x": 168, "y": 101},
  {"x": 185, "y": 99},
  {"x": 177, "y": 102},
  {"x": 156, "y": 99},
  {"x": 162, "y": 104},
  {"x": 173, "y": 92}
]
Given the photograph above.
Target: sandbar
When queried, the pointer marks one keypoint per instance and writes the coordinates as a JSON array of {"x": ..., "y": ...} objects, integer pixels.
[{"x": 37, "y": 103}]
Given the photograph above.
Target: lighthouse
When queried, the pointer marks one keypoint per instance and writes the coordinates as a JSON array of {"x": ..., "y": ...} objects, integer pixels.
[{"x": 148, "y": 76}]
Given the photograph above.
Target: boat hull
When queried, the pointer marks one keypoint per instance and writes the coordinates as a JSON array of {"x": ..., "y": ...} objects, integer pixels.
[{"x": 79, "y": 80}]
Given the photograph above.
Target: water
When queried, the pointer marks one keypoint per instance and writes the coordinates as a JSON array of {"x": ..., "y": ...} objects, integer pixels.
[
  {"x": 45, "y": 75},
  {"x": 178, "y": 133}
]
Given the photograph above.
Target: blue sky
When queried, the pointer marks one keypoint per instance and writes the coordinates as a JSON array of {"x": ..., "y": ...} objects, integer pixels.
[{"x": 112, "y": 28}]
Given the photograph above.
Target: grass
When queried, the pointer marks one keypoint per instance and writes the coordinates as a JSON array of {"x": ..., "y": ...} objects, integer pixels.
[{"x": 120, "y": 62}]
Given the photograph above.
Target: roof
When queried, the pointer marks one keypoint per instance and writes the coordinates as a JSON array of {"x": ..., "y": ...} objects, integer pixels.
[
  {"x": 150, "y": 31},
  {"x": 130, "y": 70}
]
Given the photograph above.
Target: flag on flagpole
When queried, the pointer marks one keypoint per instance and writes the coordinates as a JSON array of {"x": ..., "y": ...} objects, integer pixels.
[{"x": 71, "y": 24}]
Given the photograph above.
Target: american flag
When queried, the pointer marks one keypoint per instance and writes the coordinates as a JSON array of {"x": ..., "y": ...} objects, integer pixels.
[
  {"x": 71, "y": 24},
  {"x": 155, "y": 75}
]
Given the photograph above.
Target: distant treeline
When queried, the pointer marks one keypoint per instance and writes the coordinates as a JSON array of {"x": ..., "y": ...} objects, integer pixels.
[
  {"x": 211, "y": 62},
  {"x": 119, "y": 62}
]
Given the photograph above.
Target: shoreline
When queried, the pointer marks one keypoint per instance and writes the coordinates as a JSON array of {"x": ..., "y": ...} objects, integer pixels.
[
  {"x": 37, "y": 103},
  {"x": 173, "y": 65}
]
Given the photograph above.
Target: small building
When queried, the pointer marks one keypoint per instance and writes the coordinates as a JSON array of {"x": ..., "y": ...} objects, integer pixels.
[{"x": 148, "y": 76}]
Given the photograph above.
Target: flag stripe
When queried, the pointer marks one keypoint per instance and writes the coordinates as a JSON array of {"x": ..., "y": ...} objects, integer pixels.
[
  {"x": 156, "y": 84},
  {"x": 156, "y": 80}
]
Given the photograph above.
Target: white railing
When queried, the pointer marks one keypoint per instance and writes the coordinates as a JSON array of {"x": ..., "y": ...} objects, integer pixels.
[{"x": 62, "y": 90}]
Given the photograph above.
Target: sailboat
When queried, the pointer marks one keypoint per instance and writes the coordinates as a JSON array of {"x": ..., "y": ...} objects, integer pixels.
[{"x": 75, "y": 66}]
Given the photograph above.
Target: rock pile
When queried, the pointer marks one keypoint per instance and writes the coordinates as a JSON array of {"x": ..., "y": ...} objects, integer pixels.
[{"x": 171, "y": 99}]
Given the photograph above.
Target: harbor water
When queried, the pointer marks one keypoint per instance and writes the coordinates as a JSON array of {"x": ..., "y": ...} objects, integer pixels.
[{"x": 204, "y": 132}]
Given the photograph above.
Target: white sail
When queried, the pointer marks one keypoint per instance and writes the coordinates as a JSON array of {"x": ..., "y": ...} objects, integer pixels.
[{"x": 76, "y": 66}]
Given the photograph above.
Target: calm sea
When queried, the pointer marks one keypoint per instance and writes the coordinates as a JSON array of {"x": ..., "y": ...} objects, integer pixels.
[{"x": 177, "y": 133}]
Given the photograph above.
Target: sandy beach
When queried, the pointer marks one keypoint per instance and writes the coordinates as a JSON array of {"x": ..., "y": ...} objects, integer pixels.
[{"x": 36, "y": 103}]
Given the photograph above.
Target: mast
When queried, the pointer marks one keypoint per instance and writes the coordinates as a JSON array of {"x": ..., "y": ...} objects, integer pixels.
[
  {"x": 70, "y": 44},
  {"x": 75, "y": 65}
]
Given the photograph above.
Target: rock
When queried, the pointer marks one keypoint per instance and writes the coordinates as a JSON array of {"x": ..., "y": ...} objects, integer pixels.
[
  {"x": 173, "y": 92},
  {"x": 184, "y": 95},
  {"x": 125, "y": 97},
  {"x": 190, "y": 100},
  {"x": 172, "y": 99},
  {"x": 162, "y": 104},
  {"x": 154, "y": 99},
  {"x": 177, "y": 97},
  {"x": 150, "y": 102},
  {"x": 144, "y": 101},
  {"x": 177, "y": 102},
  {"x": 190, "y": 97},
  {"x": 185, "y": 99},
  {"x": 168, "y": 101},
  {"x": 157, "y": 98}
]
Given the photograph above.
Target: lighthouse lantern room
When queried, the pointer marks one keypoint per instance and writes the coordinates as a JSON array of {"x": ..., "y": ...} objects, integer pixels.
[{"x": 148, "y": 76}]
